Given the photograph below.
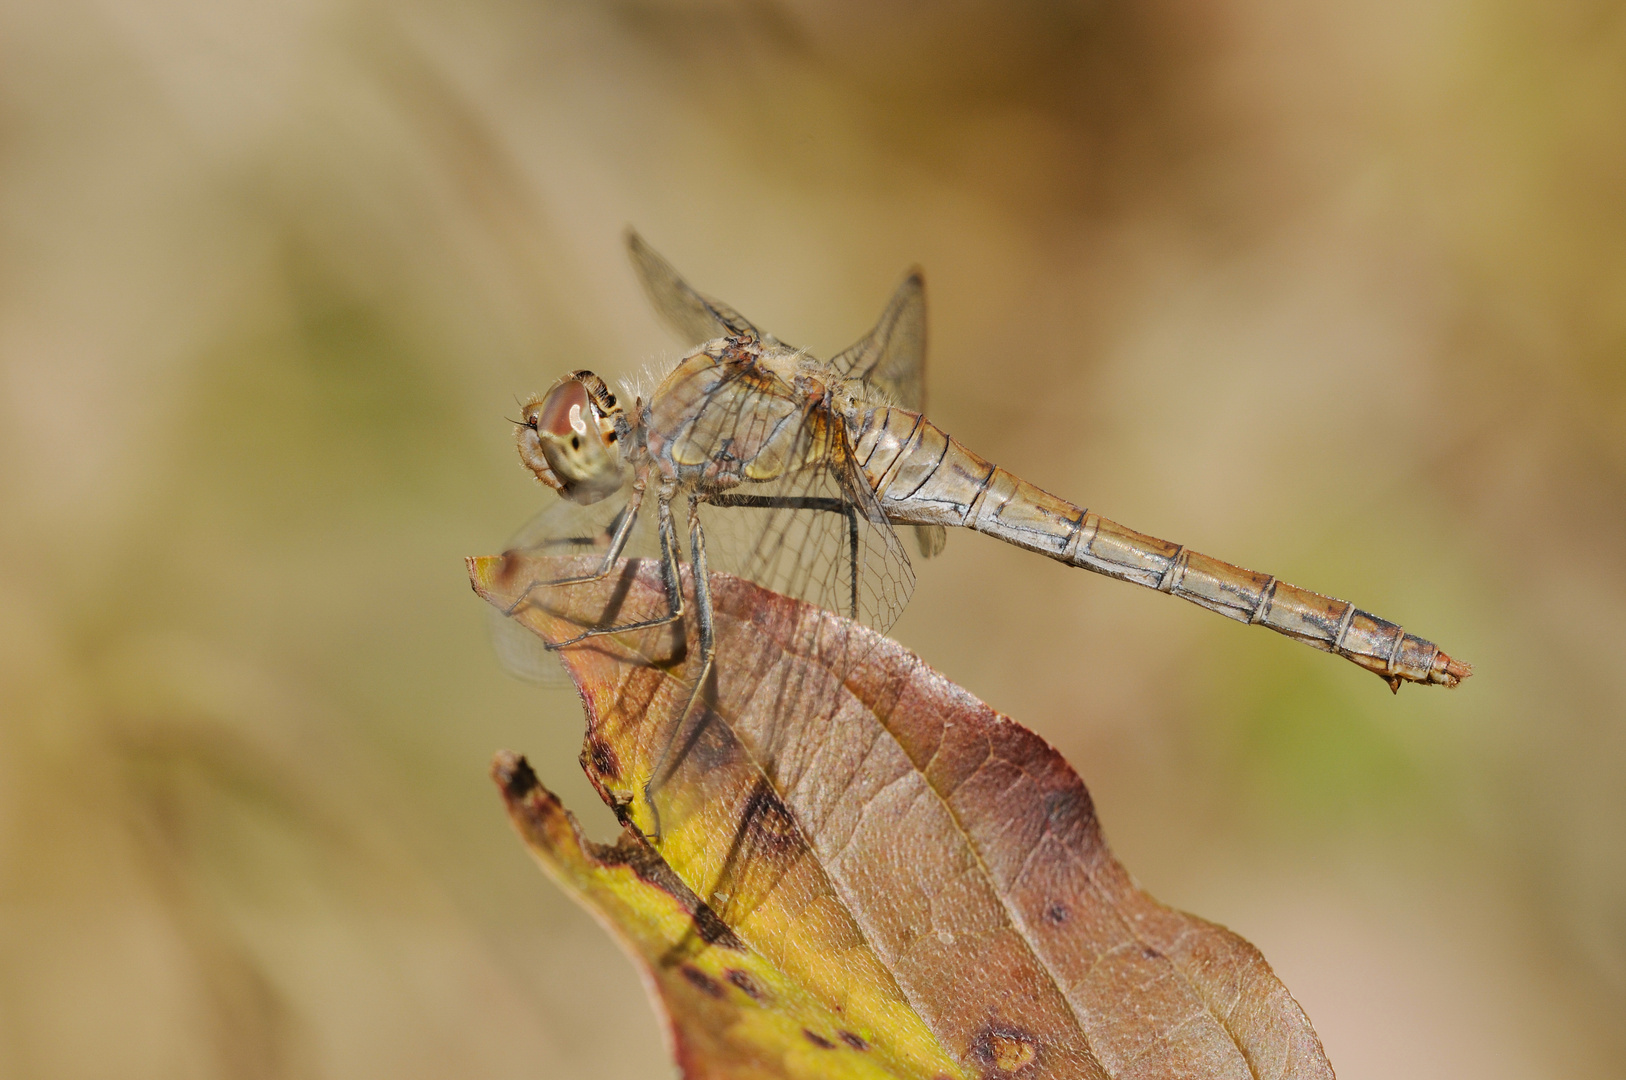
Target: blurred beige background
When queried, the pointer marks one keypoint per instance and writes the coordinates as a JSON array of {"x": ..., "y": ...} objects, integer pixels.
[{"x": 1338, "y": 294}]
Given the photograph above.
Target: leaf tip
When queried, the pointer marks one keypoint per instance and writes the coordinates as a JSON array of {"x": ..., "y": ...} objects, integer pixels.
[
  {"x": 514, "y": 775},
  {"x": 481, "y": 573}
]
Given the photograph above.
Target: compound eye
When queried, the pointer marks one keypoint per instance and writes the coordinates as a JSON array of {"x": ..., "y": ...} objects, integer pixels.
[{"x": 566, "y": 412}]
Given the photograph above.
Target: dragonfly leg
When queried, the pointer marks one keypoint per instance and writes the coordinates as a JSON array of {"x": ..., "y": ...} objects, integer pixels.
[
  {"x": 684, "y": 736},
  {"x": 599, "y": 539},
  {"x": 807, "y": 502},
  {"x": 852, "y": 557},
  {"x": 618, "y": 543},
  {"x": 669, "y": 574}
]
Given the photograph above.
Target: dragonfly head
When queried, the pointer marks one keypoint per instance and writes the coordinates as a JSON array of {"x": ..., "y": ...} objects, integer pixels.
[{"x": 570, "y": 438}]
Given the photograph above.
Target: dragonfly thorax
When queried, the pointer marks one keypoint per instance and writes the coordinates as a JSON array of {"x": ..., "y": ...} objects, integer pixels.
[{"x": 571, "y": 438}]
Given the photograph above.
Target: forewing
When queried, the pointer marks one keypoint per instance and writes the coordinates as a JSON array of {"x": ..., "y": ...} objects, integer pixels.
[
  {"x": 892, "y": 356},
  {"x": 693, "y": 316},
  {"x": 564, "y": 528}
]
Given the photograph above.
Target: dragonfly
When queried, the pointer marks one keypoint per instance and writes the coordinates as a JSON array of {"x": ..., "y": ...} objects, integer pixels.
[{"x": 798, "y": 473}]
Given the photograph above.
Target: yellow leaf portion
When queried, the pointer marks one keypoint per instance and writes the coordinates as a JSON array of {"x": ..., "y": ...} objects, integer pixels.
[{"x": 730, "y": 1014}]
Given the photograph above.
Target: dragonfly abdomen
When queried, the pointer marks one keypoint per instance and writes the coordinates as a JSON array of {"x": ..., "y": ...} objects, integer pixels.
[{"x": 924, "y": 476}]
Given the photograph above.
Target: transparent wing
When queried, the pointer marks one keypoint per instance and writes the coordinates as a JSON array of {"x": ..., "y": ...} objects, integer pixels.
[
  {"x": 801, "y": 521},
  {"x": 816, "y": 532},
  {"x": 563, "y": 528},
  {"x": 693, "y": 316},
  {"x": 892, "y": 356}
]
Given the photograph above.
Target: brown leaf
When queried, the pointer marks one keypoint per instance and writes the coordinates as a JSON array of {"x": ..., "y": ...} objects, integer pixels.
[{"x": 905, "y": 858}]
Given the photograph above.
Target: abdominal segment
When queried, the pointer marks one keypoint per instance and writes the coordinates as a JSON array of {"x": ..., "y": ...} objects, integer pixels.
[{"x": 924, "y": 476}]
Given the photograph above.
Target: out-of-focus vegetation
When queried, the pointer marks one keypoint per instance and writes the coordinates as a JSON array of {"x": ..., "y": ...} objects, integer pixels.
[{"x": 1335, "y": 293}]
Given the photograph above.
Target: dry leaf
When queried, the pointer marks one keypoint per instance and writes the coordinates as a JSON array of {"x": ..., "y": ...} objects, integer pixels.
[{"x": 915, "y": 885}]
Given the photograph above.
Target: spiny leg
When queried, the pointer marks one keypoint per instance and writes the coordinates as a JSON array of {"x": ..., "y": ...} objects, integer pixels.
[
  {"x": 852, "y": 557},
  {"x": 603, "y": 537},
  {"x": 669, "y": 574},
  {"x": 618, "y": 543},
  {"x": 684, "y": 737}
]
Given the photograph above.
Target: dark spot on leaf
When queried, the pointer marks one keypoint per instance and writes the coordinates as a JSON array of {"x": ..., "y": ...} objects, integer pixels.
[
  {"x": 1005, "y": 1050},
  {"x": 1057, "y": 913},
  {"x": 1150, "y": 953},
  {"x": 713, "y": 930},
  {"x": 603, "y": 758},
  {"x": 1069, "y": 810},
  {"x": 516, "y": 776},
  {"x": 702, "y": 982},
  {"x": 748, "y": 986},
  {"x": 855, "y": 1041},
  {"x": 818, "y": 1040}
]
